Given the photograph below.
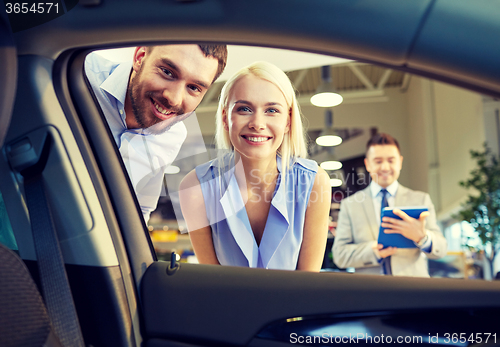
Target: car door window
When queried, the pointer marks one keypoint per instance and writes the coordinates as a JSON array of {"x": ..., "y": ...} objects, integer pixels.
[{"x": 437, "y": 125}]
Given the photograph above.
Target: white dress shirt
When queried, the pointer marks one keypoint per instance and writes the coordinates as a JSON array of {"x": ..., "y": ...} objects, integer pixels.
[
  {"x": 375, "y": 189},
  {"x": 146, "y": 152}
]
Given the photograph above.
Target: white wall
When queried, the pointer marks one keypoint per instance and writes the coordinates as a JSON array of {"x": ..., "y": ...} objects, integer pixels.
[
  {"x": 460, "y": 128},
  {"x": 492, "y": 123},
  {"x": 447, "y": 123}
]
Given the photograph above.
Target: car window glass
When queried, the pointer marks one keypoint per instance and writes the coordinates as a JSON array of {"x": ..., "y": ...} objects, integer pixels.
[
  {"x": 6, "y": 233},
  {"x": 437, "y": 125}
]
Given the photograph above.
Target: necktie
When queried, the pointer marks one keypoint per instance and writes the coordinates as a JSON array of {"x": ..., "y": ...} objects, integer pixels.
[
  {"x": 385, "y": 203},
  {"x": 385, "y": 262}
]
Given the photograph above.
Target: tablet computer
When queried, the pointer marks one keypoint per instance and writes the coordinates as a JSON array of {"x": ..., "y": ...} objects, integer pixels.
[{"x": 398, "y": 240}]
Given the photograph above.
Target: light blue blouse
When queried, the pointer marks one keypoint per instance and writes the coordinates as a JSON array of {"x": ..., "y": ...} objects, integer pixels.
[{"x": 232, "y": 235}]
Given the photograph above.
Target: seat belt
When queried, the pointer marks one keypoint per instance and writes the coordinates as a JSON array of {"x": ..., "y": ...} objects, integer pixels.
[{"x": 55, "y": 285}]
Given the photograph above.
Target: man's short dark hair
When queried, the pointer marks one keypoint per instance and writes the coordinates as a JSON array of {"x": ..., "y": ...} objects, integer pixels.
[
  {"x": 382, "y": 139},
  {"x": 219, "y": 52}
]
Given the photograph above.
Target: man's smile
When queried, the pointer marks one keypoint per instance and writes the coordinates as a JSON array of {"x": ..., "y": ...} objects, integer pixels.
[{"x": 162, "y": 112}]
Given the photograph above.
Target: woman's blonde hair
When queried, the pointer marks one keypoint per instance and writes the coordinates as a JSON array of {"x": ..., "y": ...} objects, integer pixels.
[{"x": 294, "y": 142}]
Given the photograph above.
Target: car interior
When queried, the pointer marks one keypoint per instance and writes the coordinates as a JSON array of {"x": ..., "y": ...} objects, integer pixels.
[{"x": 79, "y": 265}]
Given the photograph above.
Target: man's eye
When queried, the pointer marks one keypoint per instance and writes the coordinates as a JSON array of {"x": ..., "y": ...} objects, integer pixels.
[
  {"x": 167, "y": 72},
  {"x": 195, "y": 88}
]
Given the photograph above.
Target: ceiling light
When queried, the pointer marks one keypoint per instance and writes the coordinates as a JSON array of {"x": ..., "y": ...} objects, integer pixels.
[
  {"x": 326, "y": 95},
  {"x": 327, "y": 98},
  {"x": 335, "y": 182},
  {"x": 172, "y": 169},
  {"x": 331, "y": 165},
  {"x": 328, "y": 137}
]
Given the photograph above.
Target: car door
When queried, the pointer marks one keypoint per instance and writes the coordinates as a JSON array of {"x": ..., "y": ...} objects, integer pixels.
[
  {"x": 122, "y": 294},
  {"x": 99, "y": 286}
]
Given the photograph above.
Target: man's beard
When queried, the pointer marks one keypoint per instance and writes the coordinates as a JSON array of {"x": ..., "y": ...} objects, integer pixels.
[
  {"x": 162, "y": 126},
  {"x": 153, "y": 124}
]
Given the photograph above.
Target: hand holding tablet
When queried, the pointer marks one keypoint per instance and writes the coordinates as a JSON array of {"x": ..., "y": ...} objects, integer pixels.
[{"x": 402, "y": 230}]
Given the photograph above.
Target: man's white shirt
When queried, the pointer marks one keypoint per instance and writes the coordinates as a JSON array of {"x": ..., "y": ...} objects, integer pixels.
[
  {"x": 375, "y": 189},
  {"x": 146, "y": 155}
]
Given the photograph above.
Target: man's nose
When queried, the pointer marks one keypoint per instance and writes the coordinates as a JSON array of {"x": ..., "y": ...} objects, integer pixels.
[
  {"x": 385, "y": 165},
  {"x": 174, "y": 95},
  {"x": 257, "y": 121}
]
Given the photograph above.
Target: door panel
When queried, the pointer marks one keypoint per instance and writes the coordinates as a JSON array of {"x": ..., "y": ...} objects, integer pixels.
[
  {"x": 100, "y": 301},
  {"x": 232, "y": 305}
]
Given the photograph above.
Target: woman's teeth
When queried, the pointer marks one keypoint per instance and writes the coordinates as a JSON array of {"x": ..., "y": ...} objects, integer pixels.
[{"x": 257, "y": 139}]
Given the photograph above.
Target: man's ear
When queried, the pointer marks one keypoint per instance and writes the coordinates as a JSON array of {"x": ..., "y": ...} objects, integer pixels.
[
  {"x": 366, "y": 165},
  {"x": 139, "y": 55}
]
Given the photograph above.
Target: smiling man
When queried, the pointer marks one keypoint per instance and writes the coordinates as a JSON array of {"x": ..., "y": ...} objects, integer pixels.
[
  {"x": 145, "y": 100},
  {"x": 356, "y": 236}
]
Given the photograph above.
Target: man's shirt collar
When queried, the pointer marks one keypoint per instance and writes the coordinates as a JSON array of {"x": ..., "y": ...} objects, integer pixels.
[
  {"x": 117, "y": 83},
  {"x": 375, "y": 188}
]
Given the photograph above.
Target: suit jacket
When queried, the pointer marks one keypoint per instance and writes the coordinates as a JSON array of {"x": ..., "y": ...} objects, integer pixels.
[{"x": 357, "y": 231}]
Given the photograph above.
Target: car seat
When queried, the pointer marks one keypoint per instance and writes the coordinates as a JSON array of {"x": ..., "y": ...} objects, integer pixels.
[{"x": 24, "y": 320}]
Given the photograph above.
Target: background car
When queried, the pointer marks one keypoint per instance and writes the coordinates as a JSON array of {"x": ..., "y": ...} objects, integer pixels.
[{"x": 123, "y": 295}]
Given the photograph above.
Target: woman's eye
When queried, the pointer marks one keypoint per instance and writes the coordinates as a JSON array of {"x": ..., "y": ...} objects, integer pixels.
[
  {"x": 273, "y": 110},
  {"x": 243, "y": 109}
]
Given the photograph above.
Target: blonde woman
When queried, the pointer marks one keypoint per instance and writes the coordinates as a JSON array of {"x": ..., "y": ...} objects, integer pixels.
[{"x": 262, "y": 204}]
